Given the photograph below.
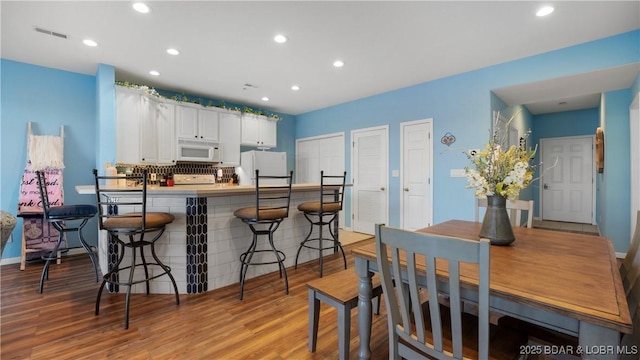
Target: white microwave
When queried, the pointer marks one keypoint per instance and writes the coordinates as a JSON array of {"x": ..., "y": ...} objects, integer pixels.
[{"x": 198, "y": 151}]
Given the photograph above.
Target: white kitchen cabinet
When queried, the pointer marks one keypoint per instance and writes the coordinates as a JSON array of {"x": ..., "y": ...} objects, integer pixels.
[
  {"x": 164, "y": 115},
  {"x": 148, "y": 149},
  {"x": 128, "y": 113},
  {"x": 259, "y": 131},
  {"x": 196, "y": 122},
  {"x": 144, "y": 129},
  {"x": 230, "y": 129}
]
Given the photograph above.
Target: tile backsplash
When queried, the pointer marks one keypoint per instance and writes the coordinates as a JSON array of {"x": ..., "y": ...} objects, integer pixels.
[{"x": 180, "y": 168}]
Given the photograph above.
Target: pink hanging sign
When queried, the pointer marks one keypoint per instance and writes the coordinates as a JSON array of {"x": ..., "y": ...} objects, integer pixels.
[{"x": 29, "y": 201}]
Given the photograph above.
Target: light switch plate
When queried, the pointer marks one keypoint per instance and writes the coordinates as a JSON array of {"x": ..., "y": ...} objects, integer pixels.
[{"x": 457, "y": 173}]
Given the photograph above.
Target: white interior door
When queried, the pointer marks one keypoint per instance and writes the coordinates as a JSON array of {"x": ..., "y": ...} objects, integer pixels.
[
  {"x": 370, "y": 178},
  {"x": 416, "y": 168},
  {"x": 568, "y": 187}
]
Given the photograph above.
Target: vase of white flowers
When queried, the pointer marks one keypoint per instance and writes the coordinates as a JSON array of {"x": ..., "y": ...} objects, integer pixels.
[{"x": 498, "y": 175}]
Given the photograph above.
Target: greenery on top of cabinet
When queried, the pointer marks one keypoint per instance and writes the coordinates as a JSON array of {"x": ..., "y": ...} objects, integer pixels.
[{"x": 198, "y": 100}]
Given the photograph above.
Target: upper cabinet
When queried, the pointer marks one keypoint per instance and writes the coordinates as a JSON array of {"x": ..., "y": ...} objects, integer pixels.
[
  {"x": 128, "y": 114},
  {"x": 144, "y": 129},
  {"x": 163, "y": 115},
  {"x": 230, "y": 138},
  {"x": 259, "y": 131},
  {"x": 197, "y": 123}
]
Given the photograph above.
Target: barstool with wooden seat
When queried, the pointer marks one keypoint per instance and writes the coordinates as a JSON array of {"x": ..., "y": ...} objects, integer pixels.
[
  {"x": 273, "y": 195},
  {"x": 324, "y": 212},
  {"x": 59, "y": 217},
  {"x": 141, "y": 229}
]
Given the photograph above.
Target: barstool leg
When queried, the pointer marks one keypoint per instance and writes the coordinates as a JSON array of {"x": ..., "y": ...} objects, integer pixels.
[
  {"x": 280, "y": 263},
  {"x": 146, "y": 268},
  {"x": 50, "y": 256},
  {"x": 304, "y": 241},
  {"x": 336, "y": 241},
  {"x": 245, "y": 261},
  {"x": 320, "y": 219},
  {"x": 87, "y": 248},
  {"x": 112, "y": 273},
  {"x": 128, "y": 296},
  {"x": 166, "y": 268}
]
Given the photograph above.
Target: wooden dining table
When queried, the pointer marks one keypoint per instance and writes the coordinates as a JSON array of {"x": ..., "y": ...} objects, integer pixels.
[{"x": 567, "y": 282}]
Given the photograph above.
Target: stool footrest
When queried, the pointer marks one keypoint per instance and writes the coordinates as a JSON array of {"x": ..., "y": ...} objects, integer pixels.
[
  {"x": 243, "y": 256},
  {"x": 333, "y": 245},
  {"x": 166, "y": 271}
]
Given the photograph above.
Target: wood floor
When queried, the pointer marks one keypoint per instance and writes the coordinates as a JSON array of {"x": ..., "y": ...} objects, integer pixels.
[{"x": 267, "y": 324}]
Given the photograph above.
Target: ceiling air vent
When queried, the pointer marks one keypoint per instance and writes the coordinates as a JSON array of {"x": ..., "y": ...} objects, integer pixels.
[{"x": 52, "y": 33}]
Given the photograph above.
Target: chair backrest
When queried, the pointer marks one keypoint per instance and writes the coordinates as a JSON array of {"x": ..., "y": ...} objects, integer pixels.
[
  {"x": 404, "y": 310},
  {"x": 127, "y": 204},
  {"x": 514, "y": 209},
  {"x": 44, "y": 194},
  {"x": 633, "y": 296},
  {"x": 632, "y": 258},
  {"x": 273, "y": 196},
  {"x": 332, "y": 191},
  {"x": 632, "y": 341}
]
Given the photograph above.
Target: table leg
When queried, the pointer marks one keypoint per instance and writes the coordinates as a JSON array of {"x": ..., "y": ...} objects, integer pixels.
[
  {"x": 596, "y": 342},
  {"x": 364, "y": 307}
]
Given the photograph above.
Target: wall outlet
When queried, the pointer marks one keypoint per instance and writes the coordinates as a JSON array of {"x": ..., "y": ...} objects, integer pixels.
[{"x": 457, "y": 173}]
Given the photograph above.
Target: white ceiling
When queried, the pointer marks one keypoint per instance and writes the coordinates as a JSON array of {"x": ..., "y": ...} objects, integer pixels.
[{"x": 227, "y": 44}]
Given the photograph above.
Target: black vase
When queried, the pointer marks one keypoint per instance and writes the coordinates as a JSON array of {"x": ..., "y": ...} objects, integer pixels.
[{"x": 496, "y": 225}]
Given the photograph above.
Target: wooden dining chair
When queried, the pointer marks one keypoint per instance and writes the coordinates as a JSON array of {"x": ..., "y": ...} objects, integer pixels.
[
  {"x": 431, "y": 330},
  {"x": 630, "y": 267},
  {"x": 514, "y": 209}
]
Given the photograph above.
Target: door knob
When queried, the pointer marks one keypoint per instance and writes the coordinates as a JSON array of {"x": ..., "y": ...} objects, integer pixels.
[
  {"x": 406, "y": 189},
  {"x": 382, "y": 188},
  {"x": 545, "y": 186}
]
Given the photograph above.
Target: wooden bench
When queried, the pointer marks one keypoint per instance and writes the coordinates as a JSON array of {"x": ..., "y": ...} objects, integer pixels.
[{"x": 339, "y": 290}]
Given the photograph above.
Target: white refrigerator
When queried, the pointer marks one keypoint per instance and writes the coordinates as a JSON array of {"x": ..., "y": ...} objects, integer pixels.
[{"x": 267, "y": 162}]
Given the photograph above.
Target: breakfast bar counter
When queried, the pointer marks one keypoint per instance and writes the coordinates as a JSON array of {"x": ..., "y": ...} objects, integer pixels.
[{"x": 204, "y": 242}]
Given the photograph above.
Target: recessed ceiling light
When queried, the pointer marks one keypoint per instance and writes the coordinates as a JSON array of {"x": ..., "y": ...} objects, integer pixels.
[
  {"x": 141, "y": 7},
  {"x": 154, "y": 73},
  {"x": 89, "y": 42},
  {"x": 173, "y": 51},
  {"x": 264, "y": 98},
  {"x": 544, "y": 11},
  {"x": 280, "y": 39},
  {"x": 338, "y": 63},
  {"x": 295, "y": 87}
]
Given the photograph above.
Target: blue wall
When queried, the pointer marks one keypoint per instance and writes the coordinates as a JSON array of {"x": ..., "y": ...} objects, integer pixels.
[
  {"x": 462, "y": 105},
  {"x": 560, "y": 124},
  {"x": 48, "y": 98},
  {"x": 615, "y": 182}
]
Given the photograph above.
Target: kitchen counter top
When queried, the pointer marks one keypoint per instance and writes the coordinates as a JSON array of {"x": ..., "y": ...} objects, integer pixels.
[
  {"x": 202, "y": 190},
  {"x": 203, "y": 244}
]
